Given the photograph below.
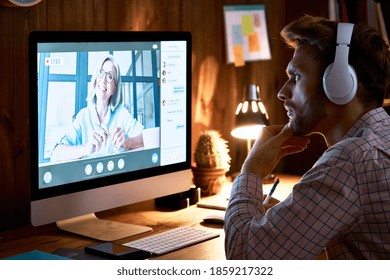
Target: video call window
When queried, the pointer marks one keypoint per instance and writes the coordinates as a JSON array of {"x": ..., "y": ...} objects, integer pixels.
[{"x": 64, "y": 80}]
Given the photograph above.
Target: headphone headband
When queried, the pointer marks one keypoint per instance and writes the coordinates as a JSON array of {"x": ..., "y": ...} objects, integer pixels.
[{"x": 344, "y": 33}]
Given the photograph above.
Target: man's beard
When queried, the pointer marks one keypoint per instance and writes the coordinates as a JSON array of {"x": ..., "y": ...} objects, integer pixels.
[{"x": 305, "y": 122}]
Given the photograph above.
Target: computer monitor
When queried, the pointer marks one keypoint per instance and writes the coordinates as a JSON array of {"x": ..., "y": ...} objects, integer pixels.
[{"x": 110, "y": 125}]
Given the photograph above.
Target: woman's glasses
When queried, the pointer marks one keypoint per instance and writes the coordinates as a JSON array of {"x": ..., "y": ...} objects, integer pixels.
[{"x": 109, "y": 76}]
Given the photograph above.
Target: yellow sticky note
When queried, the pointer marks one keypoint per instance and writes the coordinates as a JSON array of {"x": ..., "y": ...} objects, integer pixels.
[
  {"x": 254, "y": 45},
  {"x": 247, "y": 25},
  {"x": 238, "y": 55}
]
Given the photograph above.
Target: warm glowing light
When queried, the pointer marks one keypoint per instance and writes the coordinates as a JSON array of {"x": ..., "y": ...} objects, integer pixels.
[
  {"x": 238, "y": 108},
  {"x": 245, "y": 107},
  {"x": 262, "y": 108},
  {"x": 251, "y": 116},
  {"x": 247, "y": 132},
  {"x": 254, "y": 107}
]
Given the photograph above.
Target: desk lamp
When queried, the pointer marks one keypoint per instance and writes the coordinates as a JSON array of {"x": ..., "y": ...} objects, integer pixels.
[{"x": 251, "y": 116}]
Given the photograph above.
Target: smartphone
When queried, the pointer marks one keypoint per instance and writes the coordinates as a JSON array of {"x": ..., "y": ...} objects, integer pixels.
[{"x": 114, "y": 251}]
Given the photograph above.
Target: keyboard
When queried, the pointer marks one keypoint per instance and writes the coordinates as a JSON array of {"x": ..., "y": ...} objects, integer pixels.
[{"x": 171, "y": 240}]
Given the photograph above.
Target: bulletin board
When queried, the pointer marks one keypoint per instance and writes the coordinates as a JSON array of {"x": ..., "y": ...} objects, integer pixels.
[{"x": 246, "y": 34}]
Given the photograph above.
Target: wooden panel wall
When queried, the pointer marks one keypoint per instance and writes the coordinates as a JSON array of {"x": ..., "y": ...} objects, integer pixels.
[{"x": 216, "y": 86}]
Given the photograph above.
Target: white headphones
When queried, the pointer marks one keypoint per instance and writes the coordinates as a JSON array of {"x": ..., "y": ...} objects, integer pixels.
[{"x": 339, "y": 79}]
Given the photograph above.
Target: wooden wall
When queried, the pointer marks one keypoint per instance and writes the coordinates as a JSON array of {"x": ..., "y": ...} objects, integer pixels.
[{"x": 216, "y": 86}]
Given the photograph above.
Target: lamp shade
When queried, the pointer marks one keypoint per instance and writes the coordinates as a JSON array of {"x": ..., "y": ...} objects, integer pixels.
[{"x": 251, "y": 114}]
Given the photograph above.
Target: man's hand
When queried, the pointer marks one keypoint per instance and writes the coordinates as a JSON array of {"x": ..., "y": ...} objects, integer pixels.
[
  {"x": 273, "y": 143},
  {"x": 272, "y": 202}
]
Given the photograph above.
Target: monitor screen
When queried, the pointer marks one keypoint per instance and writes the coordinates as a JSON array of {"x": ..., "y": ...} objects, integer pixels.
[{"x": 110, "y": 120}]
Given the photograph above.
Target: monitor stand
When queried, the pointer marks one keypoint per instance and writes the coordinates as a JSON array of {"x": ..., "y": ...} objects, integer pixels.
[{"x": 104, "y": 230}]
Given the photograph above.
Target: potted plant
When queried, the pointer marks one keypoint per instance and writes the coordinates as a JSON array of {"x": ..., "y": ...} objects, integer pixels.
[{"x": 212, "y": 161}]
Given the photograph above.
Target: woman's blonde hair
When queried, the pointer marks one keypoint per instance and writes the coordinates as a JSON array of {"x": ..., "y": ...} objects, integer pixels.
[{"x": 117, "y": 97}]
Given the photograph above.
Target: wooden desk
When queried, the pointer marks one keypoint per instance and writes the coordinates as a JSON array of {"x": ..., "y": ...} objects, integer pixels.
[{"x": 48, "y": 238}]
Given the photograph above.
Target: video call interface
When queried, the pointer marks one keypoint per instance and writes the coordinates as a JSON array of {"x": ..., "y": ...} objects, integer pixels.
[{"x": 153, "y": 95}]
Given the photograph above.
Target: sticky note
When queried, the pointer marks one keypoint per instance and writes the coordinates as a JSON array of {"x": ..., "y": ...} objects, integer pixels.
[
  {"x": 247, "y": 25},
  {"x": 238, "y": 55},
  {"x": 254, "y": 45},
  {"x": 256, "y": 20},
  {"x": 237, "y": 34}
]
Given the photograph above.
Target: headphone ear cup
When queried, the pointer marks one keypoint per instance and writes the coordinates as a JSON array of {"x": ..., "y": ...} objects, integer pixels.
[
  {"x": 340, "y": 80},
  {"x": 340, "y": 89}
]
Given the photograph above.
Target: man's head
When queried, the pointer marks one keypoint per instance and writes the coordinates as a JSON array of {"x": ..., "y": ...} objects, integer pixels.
[{"x": 316, "y": 37}]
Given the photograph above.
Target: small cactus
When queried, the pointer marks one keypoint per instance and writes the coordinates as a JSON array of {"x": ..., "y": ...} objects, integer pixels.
[{"x": 212, "y": 151}]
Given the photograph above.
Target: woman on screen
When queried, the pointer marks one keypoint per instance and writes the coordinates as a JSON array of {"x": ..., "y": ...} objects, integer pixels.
[{"x": 105, "y": 125}]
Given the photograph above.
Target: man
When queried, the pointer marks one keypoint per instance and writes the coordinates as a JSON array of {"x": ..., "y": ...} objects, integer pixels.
[{"x": 343, "y": 202}]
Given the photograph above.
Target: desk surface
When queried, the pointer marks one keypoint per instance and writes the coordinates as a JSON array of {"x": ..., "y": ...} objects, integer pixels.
[{"x": 48, "y": 238}]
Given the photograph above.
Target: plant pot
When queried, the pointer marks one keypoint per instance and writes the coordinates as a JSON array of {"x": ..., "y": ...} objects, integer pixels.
[{"x": 209, "y": 180}]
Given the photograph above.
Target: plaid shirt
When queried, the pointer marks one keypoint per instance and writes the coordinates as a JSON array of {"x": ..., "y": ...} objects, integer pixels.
[{"x": 342, "y": 203}]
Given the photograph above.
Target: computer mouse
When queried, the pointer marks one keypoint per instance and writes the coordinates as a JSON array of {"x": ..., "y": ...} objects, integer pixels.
[{"x": 214, "y": 219}]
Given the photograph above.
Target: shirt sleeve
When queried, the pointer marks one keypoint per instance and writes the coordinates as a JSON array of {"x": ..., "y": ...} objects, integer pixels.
[
  {"x": 73, "y": 135},
  {"x": 321, "y": 206},
  {"x": 129, "y": 124}
]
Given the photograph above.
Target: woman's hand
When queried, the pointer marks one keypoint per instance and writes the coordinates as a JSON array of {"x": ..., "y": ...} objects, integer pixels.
[
  {"x": 98, "y": 140},
  {"x": 118, "y": 138},
  {"x": 273, "y": 143}
]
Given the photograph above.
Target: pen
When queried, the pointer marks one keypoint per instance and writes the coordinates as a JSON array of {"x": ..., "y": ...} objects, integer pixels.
[
  {"x": 266, "y": 200},
  {"x": 105, "y": 130}
]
